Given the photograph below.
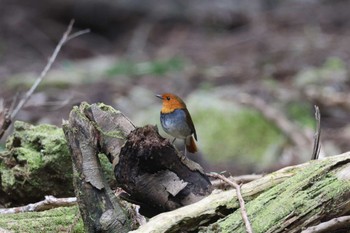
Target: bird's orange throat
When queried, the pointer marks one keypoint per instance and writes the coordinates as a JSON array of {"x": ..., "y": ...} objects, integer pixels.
[{"x": 171, "y": 106}]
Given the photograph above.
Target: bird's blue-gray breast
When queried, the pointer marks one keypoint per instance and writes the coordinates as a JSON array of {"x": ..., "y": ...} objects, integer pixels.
[{"x": 175, "y": 124}]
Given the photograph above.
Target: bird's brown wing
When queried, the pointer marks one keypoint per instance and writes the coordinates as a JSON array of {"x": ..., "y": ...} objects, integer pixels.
[{"x": 190, "y": 123}]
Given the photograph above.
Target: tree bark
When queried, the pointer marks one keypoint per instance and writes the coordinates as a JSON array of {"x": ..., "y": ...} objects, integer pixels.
[
  {"x": 156, "y": 176},
  {"x": 287, "y": 200},
  {"x": 100, "y": 209},
  {"x": 147, "y": 167}
]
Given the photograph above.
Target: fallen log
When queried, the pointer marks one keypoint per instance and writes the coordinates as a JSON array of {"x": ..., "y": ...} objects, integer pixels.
[
  {"x": 288, "y": 200},
  {"x": 158, "y": 178}
]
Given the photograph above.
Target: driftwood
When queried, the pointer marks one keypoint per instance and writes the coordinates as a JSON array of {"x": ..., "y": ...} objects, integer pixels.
[{"x": 148, "y": 168}]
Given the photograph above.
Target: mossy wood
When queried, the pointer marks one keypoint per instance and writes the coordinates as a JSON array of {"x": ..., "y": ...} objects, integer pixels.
[
  {"x": 288, "y": 200},
  {"x": 148, "y": 168},
  {"x": 86, "y": 135},
  {"x": 36, "y": 163}
]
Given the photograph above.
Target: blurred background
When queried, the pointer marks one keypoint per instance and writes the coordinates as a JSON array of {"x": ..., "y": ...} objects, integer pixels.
[{"x": 250, "y": 72}]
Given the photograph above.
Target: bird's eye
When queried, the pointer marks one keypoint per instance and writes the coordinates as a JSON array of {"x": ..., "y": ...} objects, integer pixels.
[{"x": 168, "y": 98}]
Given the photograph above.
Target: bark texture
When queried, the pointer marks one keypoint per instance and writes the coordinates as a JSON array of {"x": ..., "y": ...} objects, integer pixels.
[
  {"x": 100, "y": 209},
  {"x": 288, "y": 200},
  {"x": 156, "y": 176},
  {"x": 148, "y": 168}
]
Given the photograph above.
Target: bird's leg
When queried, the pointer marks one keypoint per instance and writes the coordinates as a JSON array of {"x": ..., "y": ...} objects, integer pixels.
[
  {"x": 177, "y": 149},
  {"x": 172, "y": 143}
]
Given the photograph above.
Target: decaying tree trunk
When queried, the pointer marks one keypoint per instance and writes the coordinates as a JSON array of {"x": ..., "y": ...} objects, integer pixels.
[
  {"x": 100, "y": 209},
  {"x": 148, "y": 168},
  {"x": 288, "y": 200},
  {"x": 155, "y": 176}
]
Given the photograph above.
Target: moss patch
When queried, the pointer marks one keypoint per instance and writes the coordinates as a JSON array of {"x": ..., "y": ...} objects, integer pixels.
[
  {"x": 227, "y": 131},
  {"x": 37, "y": 163},
  {"x": 54, "y": 220},
  {"x": 300, "y": 196},
  {"x": 302, "y": 113}
]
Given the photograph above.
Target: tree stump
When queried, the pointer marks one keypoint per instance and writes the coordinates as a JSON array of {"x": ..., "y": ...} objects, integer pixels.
[
  {"x": 156, "y": 176},
  {"x": 87, "y": 135},
  {"x": 147, "y": 167}
]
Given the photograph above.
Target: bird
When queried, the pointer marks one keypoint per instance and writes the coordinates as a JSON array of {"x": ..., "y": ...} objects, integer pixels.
[{"x": 177, "y": 122}]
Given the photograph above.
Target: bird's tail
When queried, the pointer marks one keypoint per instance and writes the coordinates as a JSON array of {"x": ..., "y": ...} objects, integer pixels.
[{"x": 190, "y": 144}]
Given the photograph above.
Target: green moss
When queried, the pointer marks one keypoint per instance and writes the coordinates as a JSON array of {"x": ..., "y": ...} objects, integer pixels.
[
  {"x": 332, "y": 72},
  {"x": 54, "y": 220},
  {"x": 107, "y": 108},
  {"x": 334, "y": 63},
  {"x": 37, "y": 161},
  {"x": 300, "y": 195},
  {"x": 107, "y": 169},
  {"x": 302, "y": 113},
  {"x": 7, "y": 177},
  {"x": 231, "y": 134}
]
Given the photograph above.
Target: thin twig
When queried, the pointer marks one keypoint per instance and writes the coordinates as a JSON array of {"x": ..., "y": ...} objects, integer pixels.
[
  {"x": 329, "y": 226},
  {"x": 219, "y": 184},
  {"x": 76, "y": 34},
  {"x": 240, "y": 199},
  {"x": 317, "y": 145},
  {"x": 63, "y": 40},
  {"x": 49, "y": 203},
  {"x": 5, "y": 118},
  {"x": 5, "y": 115}
]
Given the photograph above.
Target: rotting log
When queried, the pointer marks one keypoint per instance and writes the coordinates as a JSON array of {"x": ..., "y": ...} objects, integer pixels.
[
  {"x": 156, "y": 176},
  {"x": 288, "y": 200},
  {"x": 100, "y": 209},
  {"x": 147, "y": 167}
]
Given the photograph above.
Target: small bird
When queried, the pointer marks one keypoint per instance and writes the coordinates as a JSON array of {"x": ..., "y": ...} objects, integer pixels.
[{"x": 176, "y": 120}]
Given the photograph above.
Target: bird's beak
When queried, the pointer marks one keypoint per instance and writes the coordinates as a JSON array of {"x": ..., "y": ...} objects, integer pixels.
[{"x": 159, "y": 96}]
